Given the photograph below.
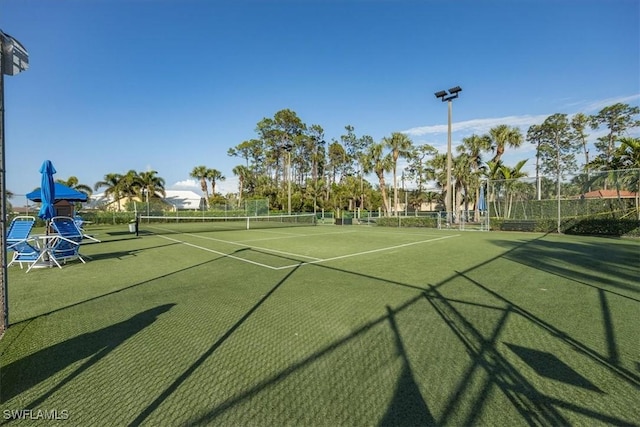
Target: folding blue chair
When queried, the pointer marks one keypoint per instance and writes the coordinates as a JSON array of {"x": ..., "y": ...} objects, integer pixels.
[
  {"x": 66, "y": 243},
  {"x": 79, "y": 221},
  {"x": 20, "y": 243}
]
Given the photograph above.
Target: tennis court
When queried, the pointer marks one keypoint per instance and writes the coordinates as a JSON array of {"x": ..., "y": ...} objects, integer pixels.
[{"x": 195, "y": 324}]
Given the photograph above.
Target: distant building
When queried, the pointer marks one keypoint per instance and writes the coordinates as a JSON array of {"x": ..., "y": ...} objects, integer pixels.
[
  {"x": 610, "y": 194},
  {"x": 177, "y": 200},
  {"x": 184, "y": 200},
  {"x": 24, "y": 210}
]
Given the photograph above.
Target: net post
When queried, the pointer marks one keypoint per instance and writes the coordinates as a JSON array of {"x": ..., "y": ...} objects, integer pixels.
[{"x": 247, "y": 223}]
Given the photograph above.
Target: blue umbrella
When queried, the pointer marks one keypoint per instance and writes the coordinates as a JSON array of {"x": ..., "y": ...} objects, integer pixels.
[
  {"x": 48, "y": 191},
  {"x": 482, "y": 203},
  {"x": 62, "y": 193}
]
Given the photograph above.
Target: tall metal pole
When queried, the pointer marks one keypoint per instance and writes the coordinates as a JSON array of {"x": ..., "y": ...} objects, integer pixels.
[
  {"x": 14, "y": 59},
  {"x": 289, "y": 180},
  {"x": 4, "y": 300},
  {"x": 558, "y": 183},
  {"x": 449, "y": 201},
  {"x": 449, "y": 96}
]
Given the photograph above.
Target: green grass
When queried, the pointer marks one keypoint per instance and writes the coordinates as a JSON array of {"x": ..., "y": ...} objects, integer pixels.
[{"x": 329, "y": 326}]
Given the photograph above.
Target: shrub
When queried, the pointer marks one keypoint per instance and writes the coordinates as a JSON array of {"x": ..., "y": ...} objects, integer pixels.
[
  {"x": 605, "y": 227},
  {"x": 407, "y": 221}
]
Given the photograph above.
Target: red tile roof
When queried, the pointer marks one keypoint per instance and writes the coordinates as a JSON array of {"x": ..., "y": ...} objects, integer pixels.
[{"x": 609, "y": 194}]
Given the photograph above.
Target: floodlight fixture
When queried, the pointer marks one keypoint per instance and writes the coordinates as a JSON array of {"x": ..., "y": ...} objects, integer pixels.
[
  {"x": 449, "y": 95},
  {"x": 15, "y": 57}
]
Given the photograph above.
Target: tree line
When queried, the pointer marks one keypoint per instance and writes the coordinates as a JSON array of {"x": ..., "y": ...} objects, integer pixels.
[{"x": 292, "y": 164}]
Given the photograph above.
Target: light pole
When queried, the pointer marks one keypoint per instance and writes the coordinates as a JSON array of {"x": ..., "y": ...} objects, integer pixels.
[
  {"x": 146, "y": 195},
  {"x": 449, "y": 97},
  {"x": 14, "y": 59},
  {"x": 317, "y": 142},
  {"x": 287, "y": 147}
]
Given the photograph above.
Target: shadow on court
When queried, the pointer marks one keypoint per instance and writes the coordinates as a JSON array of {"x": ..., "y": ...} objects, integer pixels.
[
  {"x": 29, "y": 371},
  {"x": 187, "y": 373},
  {"x": 408, "y": 405},
  {"x": 582, "y": 263}
]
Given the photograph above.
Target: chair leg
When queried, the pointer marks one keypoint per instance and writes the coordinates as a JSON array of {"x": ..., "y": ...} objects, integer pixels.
[{"x": 56, "y": 261}]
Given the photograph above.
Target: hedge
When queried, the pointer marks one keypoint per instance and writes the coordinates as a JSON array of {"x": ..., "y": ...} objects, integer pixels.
[{"x": 582, "y": 226}]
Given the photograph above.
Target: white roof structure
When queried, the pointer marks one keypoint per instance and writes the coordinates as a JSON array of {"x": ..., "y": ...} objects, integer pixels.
[
  {"x": 96, "y": 201},
  {"x": 183, "y": 199},
  {"x": 178, "y": 199}
]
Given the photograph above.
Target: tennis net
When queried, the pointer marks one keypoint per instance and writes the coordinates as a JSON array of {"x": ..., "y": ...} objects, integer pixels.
[{"x": 199, "y": 224}]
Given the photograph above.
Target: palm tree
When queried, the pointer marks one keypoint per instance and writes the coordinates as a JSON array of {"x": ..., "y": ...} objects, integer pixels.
[
  {"x": 418, "y": 168},
  {"x": 502, "y": 136},
  {"x": 473, "y": 146},
  {"x": 113, "y": 184},
  {"x": 535, "y": 136},
  {"x": 364, "y": 142},
  {"x": 400, "y": 145},
  {"x": 200, "y": 173},
  {"x": 464, "y": 179},
  {"x": 439, "y": 165},
  {"x": 73, "y": 183},
  {"x": 151, "y": 186},
  {"x": 378, "y": 162},
  {"x": 130, "y": 184},
  {"x": 510, "y": 175},
  {"x": 314, "y": 189},
  {"x": 493, "y": 172},
  {"x": 242, "y": 172},
  {"x": 628, "y": 153},
  {"x": 416, "y": 199},
  {"x": 338, "y": 160},
  {"x": 214, "y": 175},
  {"x": 431, "y": 197}
]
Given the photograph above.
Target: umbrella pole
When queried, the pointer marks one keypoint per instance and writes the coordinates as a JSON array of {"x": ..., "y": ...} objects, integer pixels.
[{"x": 46, "y": 257}]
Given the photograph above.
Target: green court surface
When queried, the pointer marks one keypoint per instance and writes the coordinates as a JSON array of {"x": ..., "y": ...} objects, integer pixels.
[{"x": 327, "y": 326}]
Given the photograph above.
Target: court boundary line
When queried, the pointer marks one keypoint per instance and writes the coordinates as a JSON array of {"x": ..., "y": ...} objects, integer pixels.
[
  {"x": 286, "y": 236},
  {"x": 276, "y": 251},
  {"x": 369, "y": 252},
  {"x": 249, "y": 246},
  {"x": 302, "y": 263},
  {"x": 291, "y": 236},
  {"x": 220, "y": 253}
]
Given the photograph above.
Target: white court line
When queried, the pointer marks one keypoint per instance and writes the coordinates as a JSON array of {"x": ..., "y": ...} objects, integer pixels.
[
  {"x": 297, "y": 235},
  {"x": 316, "y": 260},
  {"x": 275, "y": 251},
  {"x": 220, "y": 253},
  {"x": 367, "y": 252},
  {"x": 251, "y": 247}
]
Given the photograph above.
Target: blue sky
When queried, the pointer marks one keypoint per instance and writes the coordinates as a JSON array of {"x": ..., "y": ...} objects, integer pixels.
[{"x": 168, "y": 85}]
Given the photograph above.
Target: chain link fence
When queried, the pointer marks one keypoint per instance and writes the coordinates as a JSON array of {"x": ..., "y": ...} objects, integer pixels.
[{"x": 604, "y": 199}]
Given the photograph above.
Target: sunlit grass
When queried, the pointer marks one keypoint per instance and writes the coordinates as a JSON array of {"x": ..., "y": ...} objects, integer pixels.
[{"x": 329, "y": 326}]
